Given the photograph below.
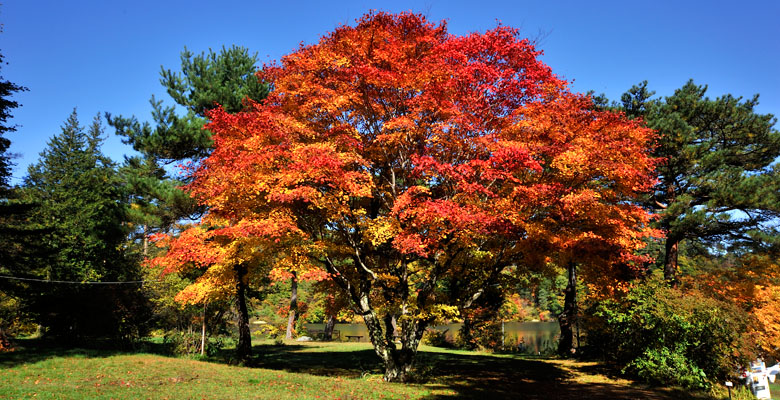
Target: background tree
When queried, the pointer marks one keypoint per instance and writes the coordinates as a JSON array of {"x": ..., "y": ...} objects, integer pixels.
[
  {"x": 7, "y": 90},
  {"x": 155, "y": 201},
  {"x": 81, "y": 200},
  {"x": 19, "y": 241},
  {"x": 231, "y": 259},
  {"x": 225, "y": 79},
  {"x": 717, "y": 203},
  {"x": 748, "y": 280},
  {"x": 204, "y": 81},
  {"x": 718, "y": 182},
  {"x": 405, "y": 160}
]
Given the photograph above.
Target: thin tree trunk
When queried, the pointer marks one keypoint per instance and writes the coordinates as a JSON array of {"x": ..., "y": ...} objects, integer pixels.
[
  {"x": 203, "y": 332},
  {"x": 535, "y": 294},
  {"x": 670, "y": 262},
  {"x": 146, "y": 240},
  {"x": 244, "y": 348},
  {"x": 328, "y": 333},
  {"x": 293, "y": 314},
  {"x": 569, "y": 315}
]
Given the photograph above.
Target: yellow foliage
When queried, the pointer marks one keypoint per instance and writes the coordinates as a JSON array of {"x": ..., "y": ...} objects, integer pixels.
[{"x": 381, "y": 230}]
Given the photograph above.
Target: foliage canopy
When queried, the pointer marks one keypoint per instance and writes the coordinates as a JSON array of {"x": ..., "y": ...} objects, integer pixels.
[{"x": 418, "y": 168}]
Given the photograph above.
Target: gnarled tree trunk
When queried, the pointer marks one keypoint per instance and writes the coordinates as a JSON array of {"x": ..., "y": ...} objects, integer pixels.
[{"x": 398, "y": 362}]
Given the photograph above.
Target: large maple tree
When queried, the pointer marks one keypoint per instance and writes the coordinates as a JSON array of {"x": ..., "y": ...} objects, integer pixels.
[{"x": 418, "y": 168}]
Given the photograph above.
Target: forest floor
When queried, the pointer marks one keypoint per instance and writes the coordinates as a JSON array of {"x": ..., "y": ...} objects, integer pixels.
[{"x": 309, "y": 370}]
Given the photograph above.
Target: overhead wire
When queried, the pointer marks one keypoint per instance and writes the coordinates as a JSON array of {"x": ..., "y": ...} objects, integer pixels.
[{"x": 76, "y": 282}]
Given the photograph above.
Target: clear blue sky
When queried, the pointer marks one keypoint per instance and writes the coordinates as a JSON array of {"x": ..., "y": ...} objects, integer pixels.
[{"x": 106, "y": 55}]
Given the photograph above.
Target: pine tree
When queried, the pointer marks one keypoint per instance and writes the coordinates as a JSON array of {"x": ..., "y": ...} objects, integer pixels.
[
  {"x": 7, "y": 89},
  {"x": 156, "y": 202},
  {"x": 718, "y": 183},
  {"x": 206, "y": 81},
  {"x": 81, "y": 201},
  {"x": 18, "y": 240}
]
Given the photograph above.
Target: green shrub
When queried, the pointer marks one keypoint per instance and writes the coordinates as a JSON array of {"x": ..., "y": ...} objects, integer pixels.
[
  {"x": 188, "y": 343},
  {"x": 484, "y": 335},
  {"x": 436, "y": 338},
  {"x": 665, "y": 336},
  {"x": 662, "y": 366}
]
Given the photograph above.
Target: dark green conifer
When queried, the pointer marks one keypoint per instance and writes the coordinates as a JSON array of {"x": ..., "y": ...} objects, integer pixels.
[
  {"x": 80, "y": 198},
  {"x": 718, "y": 179},
  {"x": 205, "y": 81}
]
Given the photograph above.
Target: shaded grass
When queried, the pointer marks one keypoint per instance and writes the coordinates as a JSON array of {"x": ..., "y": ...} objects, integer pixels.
[
  {"x": 463, "y": 374},
  {"x": 94, "y": 374},
  {"x": 306, "y": 371}
]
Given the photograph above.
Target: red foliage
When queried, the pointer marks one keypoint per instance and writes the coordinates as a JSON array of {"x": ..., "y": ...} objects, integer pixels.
[{"x": 397, "y": 156}]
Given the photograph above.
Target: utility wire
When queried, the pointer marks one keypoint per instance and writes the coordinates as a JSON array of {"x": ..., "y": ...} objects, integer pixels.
[{"x": 75, "y": 282}]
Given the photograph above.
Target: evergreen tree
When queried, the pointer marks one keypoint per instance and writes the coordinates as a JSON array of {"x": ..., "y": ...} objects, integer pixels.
[
  {"x": 718, "y": 182},
  {"x": 7, "y": 89},
  {"x": 81, "y": 200},
  {"x": 18, "y": 240},
  {"x": 155, "y": 201},
  {"x": 205, "y": 82}
]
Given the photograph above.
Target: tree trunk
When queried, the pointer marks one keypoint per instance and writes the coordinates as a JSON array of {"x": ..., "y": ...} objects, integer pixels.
[
  {"x": 146, "y": 240},
  {"x": 535, "y": 294},
  {"x": 293, "y": 313},
  {"x": 398, "y": 362},
  {"x": 670, "y": 262},
  {"x": 244, "y": 348},
  {"x": 328, "y": 333},
  {"x": 203, "y": 332},
  {"x": 568, "y": 317},
  {"x": 467, "y": 334}
]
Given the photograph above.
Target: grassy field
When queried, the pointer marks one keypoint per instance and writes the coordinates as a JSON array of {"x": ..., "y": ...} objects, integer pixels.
[{"x": 303, "y": 371}]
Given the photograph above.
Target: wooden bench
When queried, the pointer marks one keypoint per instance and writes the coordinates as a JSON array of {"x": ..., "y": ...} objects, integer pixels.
[{"x": 356, "y": 337}]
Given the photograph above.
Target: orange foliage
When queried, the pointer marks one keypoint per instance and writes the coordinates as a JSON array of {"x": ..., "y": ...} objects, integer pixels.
[
  {"x": 397, "y": 156},
  {"x": 752, "y": 282},
  {"x": 767, "y": 313}
]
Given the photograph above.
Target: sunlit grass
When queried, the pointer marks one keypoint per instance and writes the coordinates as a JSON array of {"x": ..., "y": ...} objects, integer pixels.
[
  {"x": 141, "y": 376},
  {"x": 313, "y": 370}
]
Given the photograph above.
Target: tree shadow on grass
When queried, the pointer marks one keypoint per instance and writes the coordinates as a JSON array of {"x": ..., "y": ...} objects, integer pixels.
[
  {"x": 29, "y": 351},
  {"x": 460, "y": 375},
  {"x": 309, "y": 359},
  {"x": 518, "y": 377},
  {"x": 464, "y": 375}
]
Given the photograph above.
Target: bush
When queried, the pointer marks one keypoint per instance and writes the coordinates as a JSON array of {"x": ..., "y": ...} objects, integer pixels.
[
  {"x": 485, "y": 335},
  {"x": 436, "y": 338},
  {"x": 661, "y": 366},
  {"x": 665, "y": 336},
  {"x": 188, "y": 343}
]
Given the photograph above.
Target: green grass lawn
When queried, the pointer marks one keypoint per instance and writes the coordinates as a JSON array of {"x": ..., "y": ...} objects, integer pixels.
[{"x": 303, "y": 371}]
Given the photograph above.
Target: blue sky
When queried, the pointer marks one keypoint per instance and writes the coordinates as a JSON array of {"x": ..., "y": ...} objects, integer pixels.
[{"x": 103, "y": 56}]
